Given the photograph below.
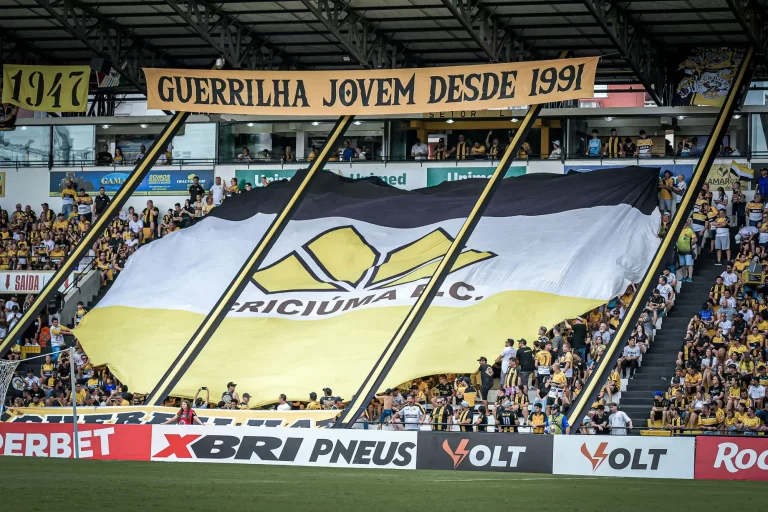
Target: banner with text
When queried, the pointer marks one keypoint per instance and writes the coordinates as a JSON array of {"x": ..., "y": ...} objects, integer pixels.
[
  {"x": 94, "y": 441},
  {"x": 46, "y": 88},
  {"x": 140, "y": 415},
  {"x": 354, "y": 448},
  {"x": 374, "y": 92},
  {"x": 624, "y": 456},
  {"x": 407, "y": 179},
  {"x": 161, "y": 183},
  {"x": 725, "y": 174},
  {"x": 731, "y": 458},
  {"x": 401, "y": 178},
  {"x": 485, "y": 452},
  {"x": 437, "y": 175},
  {"x": 28, "y": 282}
]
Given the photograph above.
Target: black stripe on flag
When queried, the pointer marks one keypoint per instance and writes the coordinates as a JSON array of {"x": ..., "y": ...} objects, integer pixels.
[{"x": 373, "y": 201}]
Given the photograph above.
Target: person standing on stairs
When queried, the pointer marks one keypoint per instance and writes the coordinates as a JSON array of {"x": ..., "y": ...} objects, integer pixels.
[
  {"x": 685, "y": 243},
  {"x": 722, "y": 236}
]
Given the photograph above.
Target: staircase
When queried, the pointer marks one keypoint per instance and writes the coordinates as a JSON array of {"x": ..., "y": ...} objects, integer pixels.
[{"x": 658, "y": 363}]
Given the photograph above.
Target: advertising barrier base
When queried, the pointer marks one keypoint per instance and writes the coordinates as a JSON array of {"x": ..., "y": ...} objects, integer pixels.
[{"x": 703, "y": 457}]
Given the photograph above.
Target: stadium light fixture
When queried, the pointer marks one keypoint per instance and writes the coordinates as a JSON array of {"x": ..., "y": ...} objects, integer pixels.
[
  {"x": 681, "y": 117},
  {"x": 220, "y": 62},
  {"x": 105, "y": 126},
  {"x": 345, "y": 58},
  {"x": 450, "y": 121},
  {"x": 357, "y": 123},
  {"x": 143, "y": 125},
  {"x": 737, "y": 116},
  {"x": 315, "y": 123},
  {"x": 609, "y": 119},
  {"x": 23, "y": 127},
  {"x": 514, "y": 119},
  {"x": 250, "y": 125}
]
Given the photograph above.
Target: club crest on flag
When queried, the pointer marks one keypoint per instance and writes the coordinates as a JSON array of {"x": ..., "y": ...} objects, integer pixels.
[{"x": 346, "y": 258}]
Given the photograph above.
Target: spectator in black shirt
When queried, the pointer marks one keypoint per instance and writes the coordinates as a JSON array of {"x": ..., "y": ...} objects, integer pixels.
[
  {"x": 486, "y": 379},
  {"x": 442, "y": 390},
  {"x": 599, "y": 421},
  {"x": 104, "y": 157},
  {"x": 656, "y": 305},
  {"x": 326, "y": 401},
  {"x": 195, "y": 189},
  {"x": 578, "y": 336},
  {"x": 101, "y": 202},
  {"x": 527, "y": 364},
  {"x": 481, "y": 421}
]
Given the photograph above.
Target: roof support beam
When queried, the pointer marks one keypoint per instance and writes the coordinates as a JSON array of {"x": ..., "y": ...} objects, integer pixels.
[
  {"x": 127, "y": 52},
  {"x": 497, "y": 41},
  {"x": 365, "y": 44},
  {"x": 638, "y": 50},
  {"x": 15, "y": 50},
  {"x": 754, "y": 21},
  {"x": 239, "y": 46}
]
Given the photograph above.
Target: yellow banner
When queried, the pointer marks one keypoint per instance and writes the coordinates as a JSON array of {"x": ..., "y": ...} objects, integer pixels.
[
  {"x": 392, "y": 91},
  {"x": 141, "y": 415},
  {"x": 2, "y": 184},
  {"x": 46, "y": 88},
  {"x": 721, "y": 175}
]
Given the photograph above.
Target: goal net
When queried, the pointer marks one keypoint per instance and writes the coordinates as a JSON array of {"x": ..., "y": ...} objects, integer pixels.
[{"x": 7, "y": 371}]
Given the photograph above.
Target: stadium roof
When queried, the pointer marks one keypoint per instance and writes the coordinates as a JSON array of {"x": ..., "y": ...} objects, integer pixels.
[{"x": 635, "y": 38}]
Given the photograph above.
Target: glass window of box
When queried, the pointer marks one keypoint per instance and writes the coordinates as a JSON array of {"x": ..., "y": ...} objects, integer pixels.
[
  {"x": 195, "y": 143},
  {"x": 649, "y": 137},
  {"x": 254, "y": 142},
  {"x": 126, "y": 143},
  {"x": 26, "y": 145},
  {"x": 74, "y": 144},
  {"x": 474, "y": 138}
]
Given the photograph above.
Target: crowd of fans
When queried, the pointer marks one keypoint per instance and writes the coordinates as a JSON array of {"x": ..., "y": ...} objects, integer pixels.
[
  {"x": 720, "y": 379},
  {"x": 42, "y": 241},
  {"x": 719, "y": 383}
]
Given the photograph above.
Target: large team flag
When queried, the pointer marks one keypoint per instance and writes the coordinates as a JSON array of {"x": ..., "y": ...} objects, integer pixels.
[{"x": 349, "y": 266}]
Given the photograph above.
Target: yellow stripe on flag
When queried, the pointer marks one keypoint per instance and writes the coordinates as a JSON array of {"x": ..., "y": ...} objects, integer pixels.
[{"x": 143, "y": 342}]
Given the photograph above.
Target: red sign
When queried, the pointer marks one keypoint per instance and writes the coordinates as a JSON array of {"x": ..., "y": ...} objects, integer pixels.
[
  {"x": 731, "y": 458},
  {"x": 115, "y": 442}
]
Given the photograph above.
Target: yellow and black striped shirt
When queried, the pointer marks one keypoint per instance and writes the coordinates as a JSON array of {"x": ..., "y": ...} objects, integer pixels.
[
  {"x": 613, "y": 145},
  {"x": 462, "y": 150},
  {"x": 440, "y": 417}
]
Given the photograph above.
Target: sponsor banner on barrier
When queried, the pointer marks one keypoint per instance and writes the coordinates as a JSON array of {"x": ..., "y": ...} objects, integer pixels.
[
  {"x": 485, "y": 452},
  {"x": 327, "y": 448},
  {"x": 94, "y": 441},
  {"x": 169, "y": 183},
  {"x": 624, "y": 456},
  {"x": 370, "y": 92},
  {"x": 437, "y": 175},
  {"x": 28, "y": 282},
  {"x": 140, "y": 415},
  {"x": 407, "y": 179},
  {"x": 731, "y": 458}
]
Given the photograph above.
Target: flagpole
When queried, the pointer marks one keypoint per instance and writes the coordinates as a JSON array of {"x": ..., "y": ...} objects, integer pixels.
[
  {"x": 207, "y": 328},
  {"x": 375, "y": 379}
]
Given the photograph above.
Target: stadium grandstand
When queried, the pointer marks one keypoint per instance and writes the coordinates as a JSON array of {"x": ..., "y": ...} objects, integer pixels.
[{"x": 523, "y": 217}]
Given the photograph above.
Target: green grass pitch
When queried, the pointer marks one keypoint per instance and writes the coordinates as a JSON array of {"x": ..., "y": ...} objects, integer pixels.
[{"x": 33, "y": 484}]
